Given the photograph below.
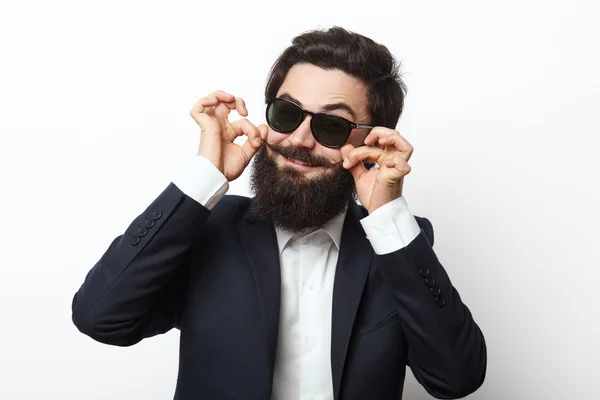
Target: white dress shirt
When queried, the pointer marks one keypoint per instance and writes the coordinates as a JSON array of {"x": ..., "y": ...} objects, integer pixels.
[{"x": 308, "y": 261}]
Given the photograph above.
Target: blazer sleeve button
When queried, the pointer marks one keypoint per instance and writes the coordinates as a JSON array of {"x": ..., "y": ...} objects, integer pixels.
[
  {"x": 429, "y": 281},
  {"x": 134, "y": 240}
]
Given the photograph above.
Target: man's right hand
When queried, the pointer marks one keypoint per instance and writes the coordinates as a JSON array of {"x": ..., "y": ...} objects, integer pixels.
[{"x": 217, "y": 133}]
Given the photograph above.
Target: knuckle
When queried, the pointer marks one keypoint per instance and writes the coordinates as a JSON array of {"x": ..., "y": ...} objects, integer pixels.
[
  {"x": 221, "y": 94},
  {"x": 247, "y": 124}
]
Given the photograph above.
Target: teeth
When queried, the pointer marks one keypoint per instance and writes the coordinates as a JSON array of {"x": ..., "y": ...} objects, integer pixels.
[{"x": 300, "y": 162}]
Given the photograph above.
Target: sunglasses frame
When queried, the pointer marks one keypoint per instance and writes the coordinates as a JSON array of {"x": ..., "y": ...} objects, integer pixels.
[{"x": 351, "y": 125}]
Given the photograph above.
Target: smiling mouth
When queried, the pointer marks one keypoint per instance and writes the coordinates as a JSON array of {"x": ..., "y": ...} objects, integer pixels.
[{"x": 296, "y": 162}]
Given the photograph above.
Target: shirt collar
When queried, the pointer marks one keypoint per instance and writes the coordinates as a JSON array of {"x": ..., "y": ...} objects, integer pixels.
[{"x": 333, "y": 227}]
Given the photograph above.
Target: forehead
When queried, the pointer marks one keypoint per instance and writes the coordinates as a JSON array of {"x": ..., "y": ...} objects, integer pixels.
[{"x": 316, "y": 87}]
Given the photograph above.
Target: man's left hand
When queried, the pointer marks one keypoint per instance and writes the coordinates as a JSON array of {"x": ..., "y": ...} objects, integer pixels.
[{"x": 379, "y": 185}]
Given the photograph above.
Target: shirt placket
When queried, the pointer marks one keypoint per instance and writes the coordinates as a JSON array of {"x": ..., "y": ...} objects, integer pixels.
[{"x": 312, "y": 262}]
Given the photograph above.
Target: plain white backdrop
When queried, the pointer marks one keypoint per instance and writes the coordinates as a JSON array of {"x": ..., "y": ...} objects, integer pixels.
[{"x": 502, "y": 109}]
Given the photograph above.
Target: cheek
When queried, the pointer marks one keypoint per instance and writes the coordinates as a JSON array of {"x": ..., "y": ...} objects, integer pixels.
[
  {"x": 334, "y": 155},
  {"x": 274, "y": 137}
]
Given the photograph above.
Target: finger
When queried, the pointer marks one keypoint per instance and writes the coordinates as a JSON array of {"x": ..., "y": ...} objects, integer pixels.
[
  {"x": 201, "y": 112},
  {"x": 254, "y": 142},
  {"x": 389, "y": 137},
  {"x": 240, "y": 107},
  {"x": 225, "y": 100},
  {"x": 399, "y": 164},
  {"x": 363, "y": 153},
  {"x": 203, "y": 103},
  {"x": 245, "y": 127},
  {"x": 400, "y": 143},
  {"x": 377, "y": 133},
  {"x": 223, "y": 96},
  {"x": 358, "y": 169},
  {"x": 208, "y": 101},
  {"x": 264, "y": 130},
  {"x": 346, "y": 149},
  {"x": 222, "y": 110},
  {"x": 392, "y": 174}
]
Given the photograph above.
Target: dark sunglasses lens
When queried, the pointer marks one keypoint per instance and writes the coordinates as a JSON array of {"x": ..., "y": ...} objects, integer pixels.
[
  {"x": 330, "y": 131},
  {"x": 284, "y": 116}
]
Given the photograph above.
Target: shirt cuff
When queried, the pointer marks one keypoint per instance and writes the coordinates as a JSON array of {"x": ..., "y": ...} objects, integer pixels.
[
  {"x": 391, "y": 227},
  {"x": 202, "y": 181}
]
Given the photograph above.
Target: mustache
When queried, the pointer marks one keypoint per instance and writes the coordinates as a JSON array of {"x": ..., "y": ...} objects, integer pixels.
[{"x": 304, "y": 156}]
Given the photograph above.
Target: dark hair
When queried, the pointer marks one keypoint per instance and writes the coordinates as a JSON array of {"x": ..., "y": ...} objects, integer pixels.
[{"x": 354, "y": 54}]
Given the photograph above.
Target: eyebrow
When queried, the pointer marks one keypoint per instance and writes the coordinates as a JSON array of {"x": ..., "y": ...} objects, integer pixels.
[{"x": 326, "y": 107}]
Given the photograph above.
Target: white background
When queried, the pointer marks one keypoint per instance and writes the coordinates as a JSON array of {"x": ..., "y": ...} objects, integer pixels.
[{"x": 502, "y": 110}]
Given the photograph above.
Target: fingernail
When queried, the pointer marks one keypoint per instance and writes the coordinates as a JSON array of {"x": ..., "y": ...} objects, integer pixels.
[
  {"x": 345, "y": 164},
  {"x": 257, "y": 142}
]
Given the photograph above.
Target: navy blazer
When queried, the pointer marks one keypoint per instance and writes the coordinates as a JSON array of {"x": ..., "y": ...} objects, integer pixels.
[{"x": 215, "y": 276}]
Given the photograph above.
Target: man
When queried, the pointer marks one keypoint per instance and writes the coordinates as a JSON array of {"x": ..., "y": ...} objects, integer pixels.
[{"x": 299, "y": 292}]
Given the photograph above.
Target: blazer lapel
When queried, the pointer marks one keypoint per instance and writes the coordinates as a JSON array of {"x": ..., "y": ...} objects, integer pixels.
[
  {"x": 354, "y": 263},
  {"x": 259, "y": 242}
]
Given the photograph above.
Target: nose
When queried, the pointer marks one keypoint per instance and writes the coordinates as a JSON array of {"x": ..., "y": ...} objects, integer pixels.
[{"x": 302, "y": 136}]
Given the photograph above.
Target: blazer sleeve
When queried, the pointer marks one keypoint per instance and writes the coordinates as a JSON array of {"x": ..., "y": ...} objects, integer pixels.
[
  {"x": 447, "y": 350},
  {"x": 136, "y": 289}
]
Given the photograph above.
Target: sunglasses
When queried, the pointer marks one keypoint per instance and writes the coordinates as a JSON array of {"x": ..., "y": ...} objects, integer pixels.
[{"x": 330, "y": 130}]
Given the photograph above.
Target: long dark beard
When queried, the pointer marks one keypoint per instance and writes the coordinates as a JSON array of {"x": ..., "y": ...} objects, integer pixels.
[{"x": 292, "y": 201}]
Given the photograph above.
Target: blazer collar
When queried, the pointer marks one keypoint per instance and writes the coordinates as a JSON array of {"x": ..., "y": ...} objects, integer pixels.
[{"x": 333, "y": 227}]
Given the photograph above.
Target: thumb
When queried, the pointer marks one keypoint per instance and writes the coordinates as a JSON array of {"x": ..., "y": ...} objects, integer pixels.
[
  {"x": 346, "y": 149},
  {"x": 358, "y": 169},
  {"x": 264, "y": 130},
  {"x": 251, "y": 146}
]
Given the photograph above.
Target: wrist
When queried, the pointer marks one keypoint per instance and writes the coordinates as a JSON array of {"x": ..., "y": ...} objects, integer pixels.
[{"x": 214, "y": 160}]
